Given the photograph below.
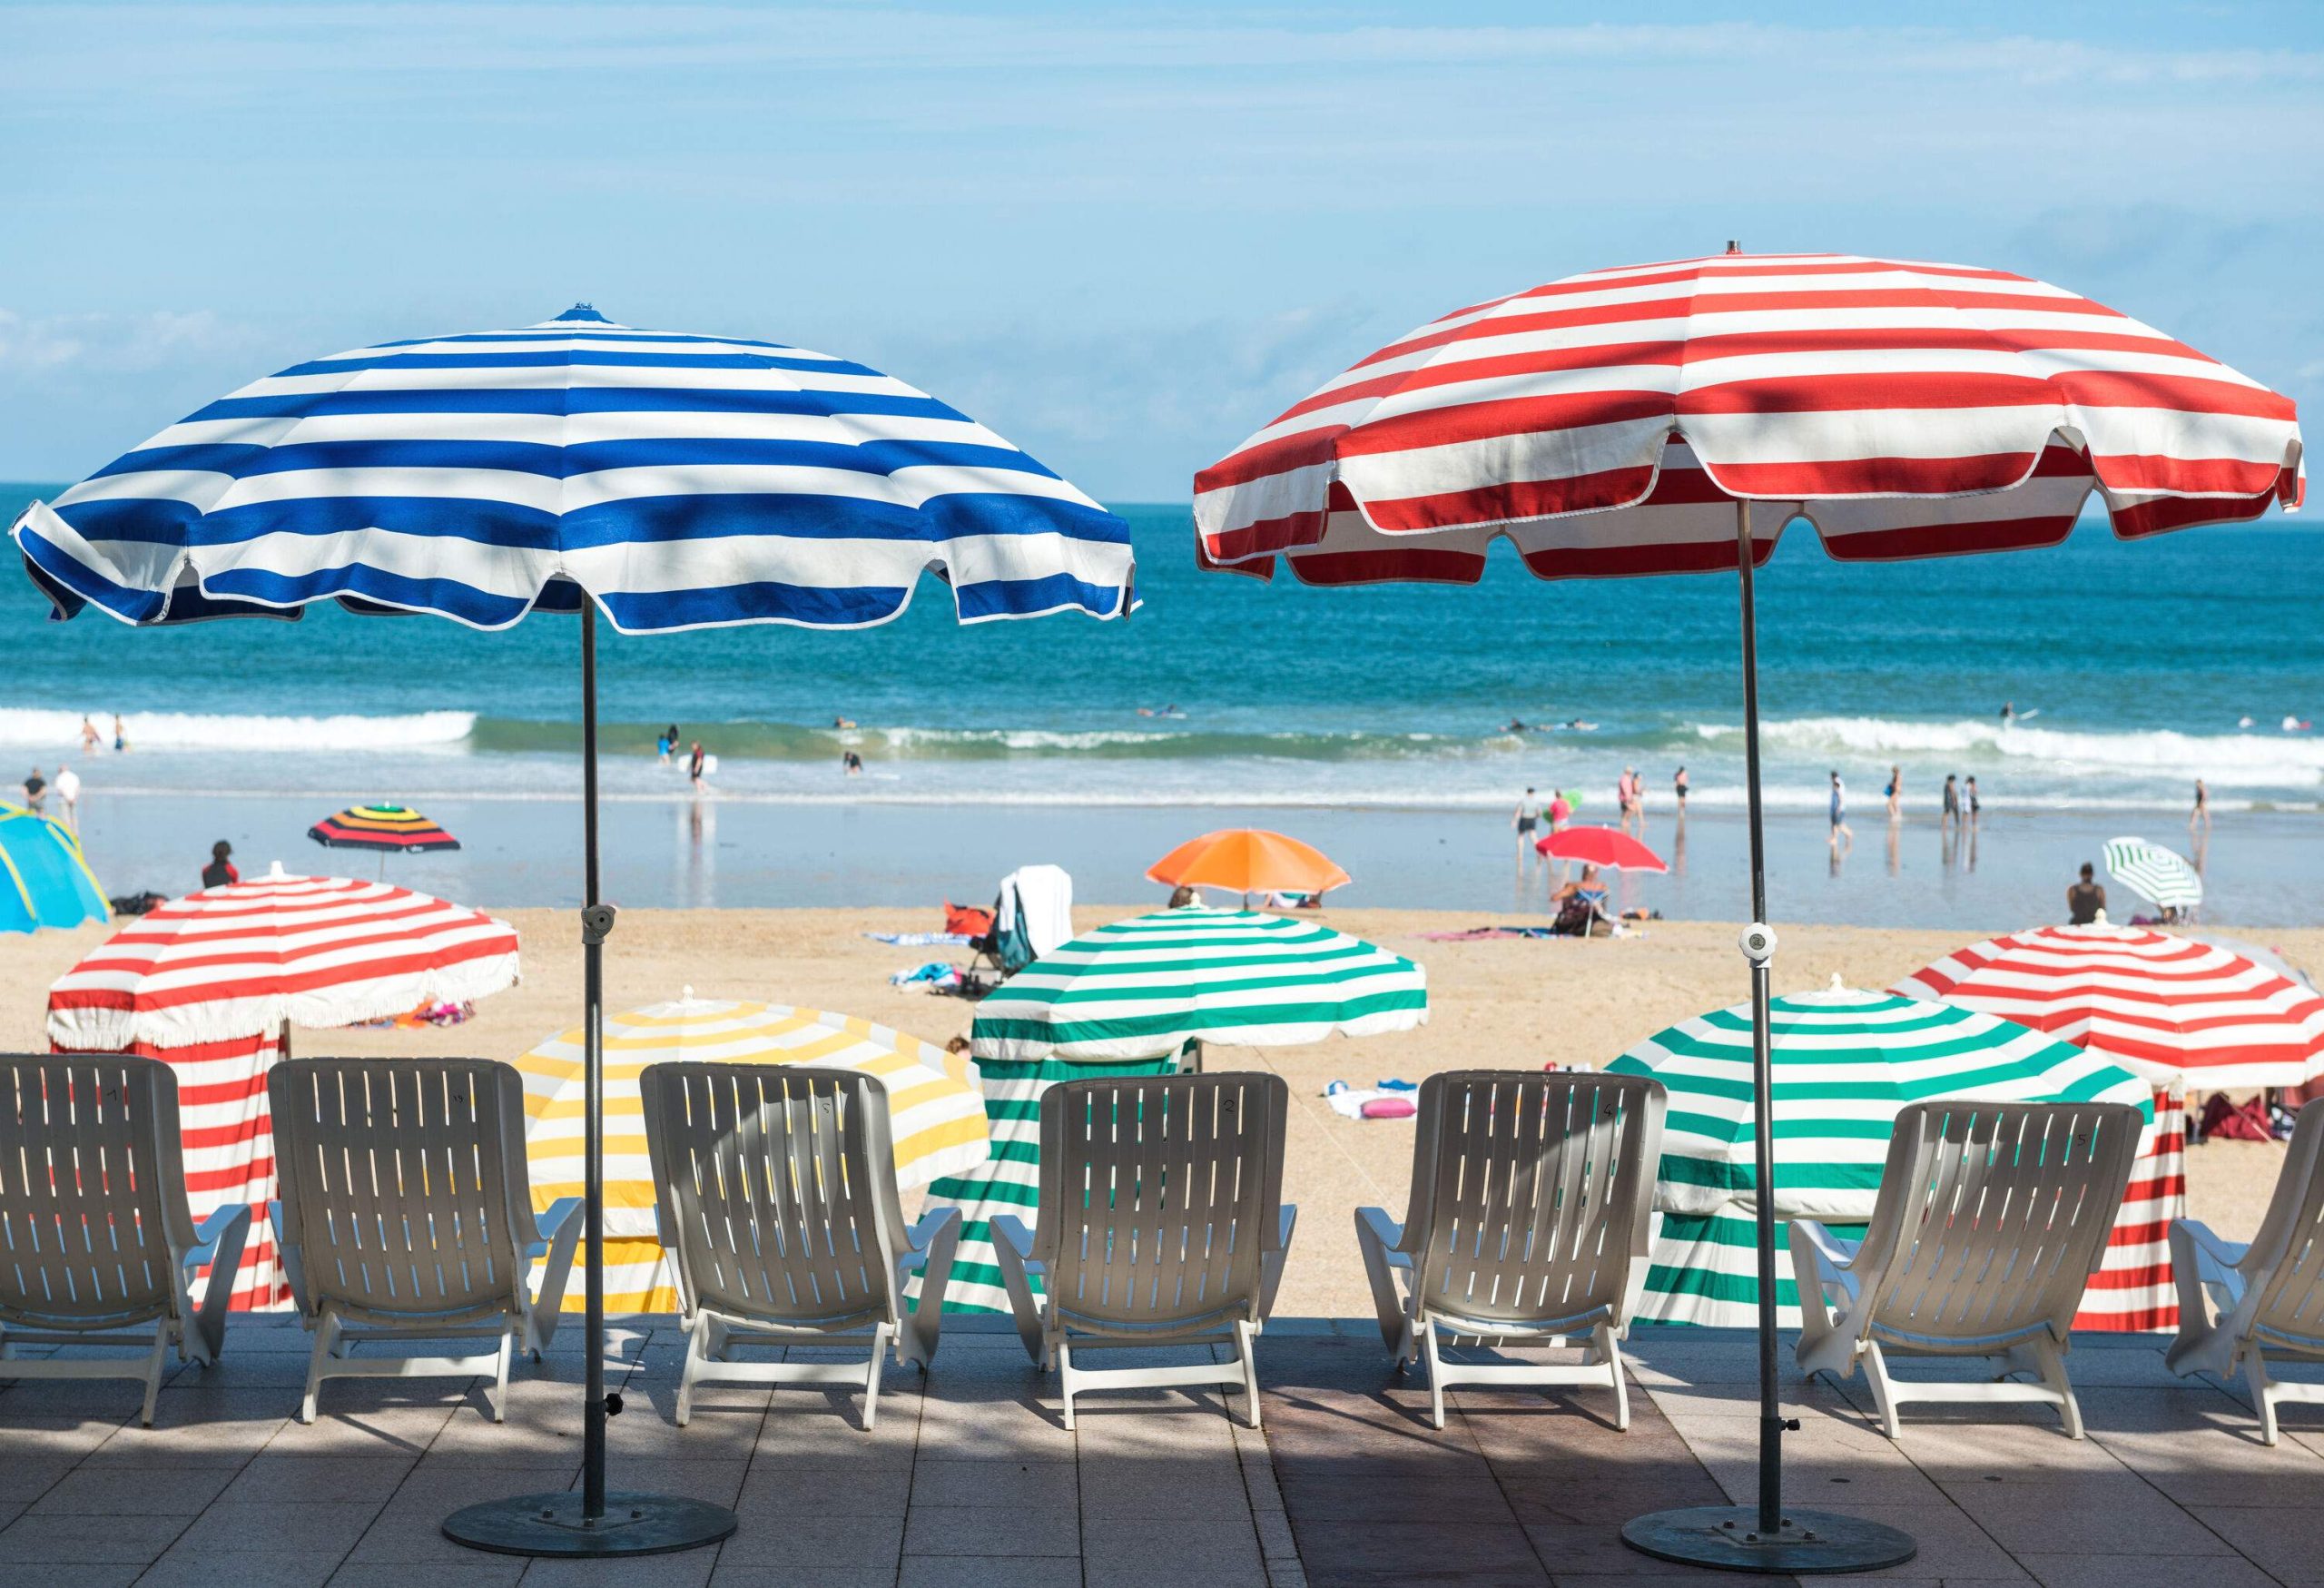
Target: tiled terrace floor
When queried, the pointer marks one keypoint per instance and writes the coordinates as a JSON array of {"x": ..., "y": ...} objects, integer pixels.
[{"x": 970, "y": 1478}]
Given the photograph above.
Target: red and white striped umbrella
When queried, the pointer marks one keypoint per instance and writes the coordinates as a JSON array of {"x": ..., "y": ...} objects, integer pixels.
[
  {"x": 2181, "y": 1014},
  {"x": 252, "y": 957},
  {"x": 207, "y": 983},
  {"x": 1607, "y": 423}
]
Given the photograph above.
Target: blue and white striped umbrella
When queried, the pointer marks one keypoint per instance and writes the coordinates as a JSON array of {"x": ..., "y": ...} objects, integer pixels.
[{"x": 683, "y": 481}]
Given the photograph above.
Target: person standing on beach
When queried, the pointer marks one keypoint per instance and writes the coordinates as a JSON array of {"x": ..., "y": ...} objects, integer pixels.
[
  {"x": 1528, "y": 816},
  {"x": 1969, "y": 789},
  {"x": 2085, "y": 900},
  {"x": 120, "y": 735},
  {"x": 1561, "y": 810},
  {"x": 1949, "y": 815},
  {"x": 1679, "y": 788},
  {"x": 1841, "y": 829},
  {"x": 1629, "y": 799},
  {"x": 68, "y": 791},
  {"x": 91, "y": 741},
  {"x": 694, "y": 767},
  {"x": 35, "y": 790},
  {"x": 1895, "y": 791},
  {"x": 663, "y": 744},
  {"x": 2201, "y": 819}
]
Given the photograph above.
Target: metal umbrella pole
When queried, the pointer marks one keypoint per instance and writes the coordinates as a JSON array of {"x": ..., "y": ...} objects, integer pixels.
[
  {"x": 594, "y": 1521},
  {"x": 1764, "y": 1537}
]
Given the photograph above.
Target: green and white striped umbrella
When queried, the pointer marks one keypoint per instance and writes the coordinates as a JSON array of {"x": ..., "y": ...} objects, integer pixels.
[
  {"x": 1143, "y": 989},
  {"x": 1844, "y": 1062},
  {"x": 1126, "y": 1000},
  {"x": 2160, "y": 875}
]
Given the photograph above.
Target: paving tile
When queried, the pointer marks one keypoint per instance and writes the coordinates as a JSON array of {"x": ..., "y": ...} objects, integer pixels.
[
  {"x": 987, "y": 1530},
  {"x": 194, "y": 1569},
  {"x": 1952, "y": 1547},
  {"x": 410, "y": 1528},
  {"x": 1190, "y": 1490},
  {"x": 864, "y": 1489},
  {"x": 62, "y": 1541},
  {"x": 128, "y": 1491},
  {"x": 1129, "y": 1552},
  {"x": 990, "y": 1572},
  {"x": 2090, "y": 1515},
  {"x": 363, "y": 1430},
  {"x": 688, "y": 1569},
  {"x": 802, "y": 1575},
  {"x": 31, "y": 1441},
  {"x": 2286, "y": 1543},
  {"x": 28, "y": 1575},
  {"x": 1459, "y": 1551},
  {"x": 478, "y": 1571},
  {"x": 322, "y": 1529},
  {"x": 199, "y": 1428},
  {"x": 1467, "y": 1493},
  {"x": 851, "y": 1542},
  {"x": 24, "y": 1476},
  {"x": 303, "y": 1478},
  {"x": 2142, "y": 1571},
  {"x": 1022, "y": 1485}
]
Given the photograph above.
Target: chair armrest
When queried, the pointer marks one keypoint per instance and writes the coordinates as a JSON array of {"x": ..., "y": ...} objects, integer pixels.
[
  {"x": 2216, "y": 1260},
  {"x": 1838, "y": 1255},
  {"x": 550, "y": 1224},
  {"x": 1008, "y": 1227},
  {"x": 931, "y": 1225},
  {"x": 1286, "y": 1220},
  {"x": 221, "y": 1219},
  {"x": 1375, "y": 1223}
]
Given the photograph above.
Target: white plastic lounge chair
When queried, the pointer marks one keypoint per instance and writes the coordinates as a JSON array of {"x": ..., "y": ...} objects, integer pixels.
[
  {"x": 1160, "y": 1222},
  {"x": 2269, "y": 1293},
  {"x": 1529, "y": 1222},
  {"x": 1990, "y": 1220},
  {"x": 95, "y": 1235},
  {"x": 406, "y": 1214},
  {"x": 777, "y": 1192}
]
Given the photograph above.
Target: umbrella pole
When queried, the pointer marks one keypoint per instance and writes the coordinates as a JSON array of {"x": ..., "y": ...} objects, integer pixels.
[
  {"x": 1763, "y": 1538},
  {"x": 596, "y": 1521}
]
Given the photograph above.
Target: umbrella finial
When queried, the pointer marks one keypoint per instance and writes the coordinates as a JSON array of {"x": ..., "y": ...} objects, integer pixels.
[
  {"x": 583, "y": 312},
  {"x": 275, "y": 871},
  {"x": 1733, "y": 246},
  {"x": 2100, "y": 920},
  {"x": 686, "y": 993},
  {"x": 1837, "y": 985}
]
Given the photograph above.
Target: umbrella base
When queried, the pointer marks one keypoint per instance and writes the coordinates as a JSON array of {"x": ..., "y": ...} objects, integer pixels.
[
  {"x": 1728, "y": 1538},
  {"x": 552, "y": 1524}
]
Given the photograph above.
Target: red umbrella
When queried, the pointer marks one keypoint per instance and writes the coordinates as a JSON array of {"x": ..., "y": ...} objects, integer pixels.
[
  {"x": 1603, "y": 847},
  {"x": 1639, "y": 420}
]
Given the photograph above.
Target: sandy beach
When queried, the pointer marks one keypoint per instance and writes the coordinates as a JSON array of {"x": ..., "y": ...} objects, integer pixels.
[{"x": 1506, "y": 1002}]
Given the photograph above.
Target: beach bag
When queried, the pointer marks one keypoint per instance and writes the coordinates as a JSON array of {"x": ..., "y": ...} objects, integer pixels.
[
  {"x": 966, "y": 919},
  {"x": 2230, "y": 1122}
]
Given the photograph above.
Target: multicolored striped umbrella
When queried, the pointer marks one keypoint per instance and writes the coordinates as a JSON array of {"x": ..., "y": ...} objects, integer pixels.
[
  {"x": 1126, "y": 1000},
  {"x": 933, "y": 1097},
  {"x": 1143, "y": 989},
  {"x": 1607, "y": 423},
  {"x": 210, "y": 983},
  {"x": 1845, "y": 1061},
  {"x": 391, "y": 829},
  {"x": 2161, "y": 876},
  {"x": 2182, "y": 1013}
]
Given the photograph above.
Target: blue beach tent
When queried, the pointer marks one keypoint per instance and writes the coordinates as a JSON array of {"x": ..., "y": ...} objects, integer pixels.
[{"x": 44, "y": 881}]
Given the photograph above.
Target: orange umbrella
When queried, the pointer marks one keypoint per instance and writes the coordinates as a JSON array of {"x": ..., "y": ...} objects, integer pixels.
[{"x": 1247, "y": 860}]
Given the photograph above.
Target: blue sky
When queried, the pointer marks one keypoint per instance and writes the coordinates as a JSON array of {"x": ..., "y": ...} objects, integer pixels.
[{"x": 1122, "y": 236}]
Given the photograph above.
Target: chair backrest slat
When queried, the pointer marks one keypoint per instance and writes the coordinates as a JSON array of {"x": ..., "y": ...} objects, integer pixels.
[
  {"x": 92, "y": 1189},
  {"x": 776, "y": 1185},
  {"x": 1531, "y": 1192},
  {"x": 1158, "y": 1196},
  {"x": 2002, "y": 1212},
  {"x": 403, "y": 1182}
]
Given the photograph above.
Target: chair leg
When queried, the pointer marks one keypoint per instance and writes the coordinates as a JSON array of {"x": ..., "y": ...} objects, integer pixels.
[
  {"x": 697, "y": 1351},
  {"x": 326, "y": 1340},
  {"x": 1610, "y": 1350},
  {"x": 881, "y": 1336},
  {"x": 1435, "y": 1373},
  {"x": 2263, "y": 1392},
  {"x": 1064, "y": 1379},
  {"x": 2053, "y": 1363},
  {"x": 1246, "y": 1335},
  {"x": 1875, "y": 1373},
  {"x": 498, "y": 1397},
  {"x": 153, "y": 1360}
]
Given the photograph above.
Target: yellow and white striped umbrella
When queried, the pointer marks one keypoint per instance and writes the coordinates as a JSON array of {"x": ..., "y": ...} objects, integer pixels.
[{"x": 933, "y": 1099}]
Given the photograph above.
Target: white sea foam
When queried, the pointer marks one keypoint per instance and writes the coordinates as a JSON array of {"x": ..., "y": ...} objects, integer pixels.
[
  {"x": 196, "y": 731},
  {"x": 2257, "y": 756}
]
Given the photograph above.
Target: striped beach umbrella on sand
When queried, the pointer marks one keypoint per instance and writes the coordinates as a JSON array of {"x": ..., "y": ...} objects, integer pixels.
[
  {"x": 1126, "y": 1000},
  {"x": 1844, "y": 1062},
  {"x": 390, "y": 829},
  {"x": 933, "y": 1100},
  {"x": 2159, "y": 875}
]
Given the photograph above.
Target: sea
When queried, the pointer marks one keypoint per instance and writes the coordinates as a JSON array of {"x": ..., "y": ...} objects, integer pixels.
[{"x": 1403, "y": 722}]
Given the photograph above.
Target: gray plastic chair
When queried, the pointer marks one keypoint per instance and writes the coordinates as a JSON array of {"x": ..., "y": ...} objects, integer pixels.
[
  {"x": 1159, "y": 1222},
  {"x": 2269, "y": 1293},
  {"x": 775, "y": 1187},
  {"x": 95, "y": 1235},
  {"x": 1990, "y": 1220},
  {"x": 1530, "y": 1221},
  {"x": 406, "y": 1214}
]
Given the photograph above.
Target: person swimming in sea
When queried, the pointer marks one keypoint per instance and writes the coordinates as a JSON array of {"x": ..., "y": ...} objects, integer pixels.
[{"x": 851, "y": 763}]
